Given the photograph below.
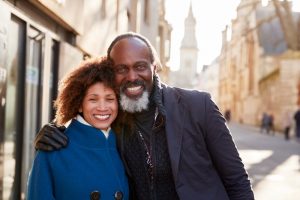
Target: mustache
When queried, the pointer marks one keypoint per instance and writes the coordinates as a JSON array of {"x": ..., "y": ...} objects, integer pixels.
[{"x": 132, "y": 84}]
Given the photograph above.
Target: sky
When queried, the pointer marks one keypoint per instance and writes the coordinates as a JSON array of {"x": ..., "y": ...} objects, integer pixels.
[{"x": 212, "y": 16}]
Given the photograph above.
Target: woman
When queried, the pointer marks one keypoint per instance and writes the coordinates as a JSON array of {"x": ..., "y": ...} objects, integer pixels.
[{"x": 90, "y": 167}]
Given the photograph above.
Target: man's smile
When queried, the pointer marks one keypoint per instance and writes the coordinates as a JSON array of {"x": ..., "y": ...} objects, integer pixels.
[{"x": 133, "y": 89}]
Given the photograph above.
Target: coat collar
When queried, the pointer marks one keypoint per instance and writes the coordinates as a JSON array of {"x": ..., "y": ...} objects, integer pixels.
[{"x": 175, "y": 120}]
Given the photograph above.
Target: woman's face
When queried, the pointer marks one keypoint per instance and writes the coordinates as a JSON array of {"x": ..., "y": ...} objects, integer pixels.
[{"x": 99, "y": 106}]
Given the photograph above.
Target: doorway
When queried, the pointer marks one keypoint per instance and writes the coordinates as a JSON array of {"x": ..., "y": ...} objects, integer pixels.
[{"x": 24, "y": 77}]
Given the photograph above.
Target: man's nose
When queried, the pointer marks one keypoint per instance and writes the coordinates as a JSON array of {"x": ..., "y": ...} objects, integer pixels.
[{"x": 132, "y": 75}]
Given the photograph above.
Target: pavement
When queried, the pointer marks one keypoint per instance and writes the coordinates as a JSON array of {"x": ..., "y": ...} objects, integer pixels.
[{"x": 273, "y": 163}]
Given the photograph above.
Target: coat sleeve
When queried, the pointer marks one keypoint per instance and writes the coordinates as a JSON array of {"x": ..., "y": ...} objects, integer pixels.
[
  {"x": 40, "y": 182},
  {"x": 224, "y": 154}
]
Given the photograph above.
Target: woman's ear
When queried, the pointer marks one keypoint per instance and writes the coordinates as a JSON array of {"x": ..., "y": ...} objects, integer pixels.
[{"x": 80, "y": 109}]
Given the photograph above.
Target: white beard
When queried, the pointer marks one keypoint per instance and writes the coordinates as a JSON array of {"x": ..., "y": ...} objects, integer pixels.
[{"x": 134, "y": 105}]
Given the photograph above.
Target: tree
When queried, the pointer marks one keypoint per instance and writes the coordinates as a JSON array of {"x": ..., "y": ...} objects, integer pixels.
[{"x": 291, "y": 32}]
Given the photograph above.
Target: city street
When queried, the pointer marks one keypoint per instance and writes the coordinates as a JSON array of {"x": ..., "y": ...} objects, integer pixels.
[{"x": 272, "y": 163}]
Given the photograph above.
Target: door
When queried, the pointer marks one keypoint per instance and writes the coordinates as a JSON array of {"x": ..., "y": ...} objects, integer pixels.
[
  {"x": 32, "y": 97},
  {"x": 4, "y": 16},
  {"x": 13, "y": 109}
]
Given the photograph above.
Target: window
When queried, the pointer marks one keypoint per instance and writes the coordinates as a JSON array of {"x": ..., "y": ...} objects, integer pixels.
[{"x": 146, "y": 12}]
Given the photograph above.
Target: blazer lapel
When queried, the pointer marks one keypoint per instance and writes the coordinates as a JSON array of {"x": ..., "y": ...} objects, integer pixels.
[{"x": 175, "y": 119}]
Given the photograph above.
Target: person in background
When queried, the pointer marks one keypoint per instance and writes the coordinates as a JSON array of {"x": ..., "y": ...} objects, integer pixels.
[
  {"x": 297, "y": 120},
  {"x": 90, "y": 166},
  {"x": 227, "y": 115},
  {"x": 265, "y": 123},
  {"x": 287, "y": 123},
  {"x": 271, "y": 124},
  {"x": 174, "y": 142}
]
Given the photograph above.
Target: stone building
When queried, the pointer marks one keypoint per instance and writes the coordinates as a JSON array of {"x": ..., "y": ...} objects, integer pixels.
[
  {"x": 40, "y": 41},
  {"x": 259, "y": 69},
  {"x": 209, "y": 80},
  {"x": 186, "y": 75}
]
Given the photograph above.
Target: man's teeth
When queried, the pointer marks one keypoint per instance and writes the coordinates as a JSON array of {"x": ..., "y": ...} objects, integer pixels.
[
  {"x": 102, "y": 117},
  {"x": 132, "y": 89}
]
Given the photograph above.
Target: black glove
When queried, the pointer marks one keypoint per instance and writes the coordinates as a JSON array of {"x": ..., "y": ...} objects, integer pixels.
[{"x": 51, "y": 137}]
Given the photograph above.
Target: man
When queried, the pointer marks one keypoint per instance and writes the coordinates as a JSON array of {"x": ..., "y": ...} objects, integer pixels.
[{"x": 174, "y": 142}]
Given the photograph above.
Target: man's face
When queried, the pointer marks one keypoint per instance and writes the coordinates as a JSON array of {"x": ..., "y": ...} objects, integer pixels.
[{"x": 133, "y": 71}]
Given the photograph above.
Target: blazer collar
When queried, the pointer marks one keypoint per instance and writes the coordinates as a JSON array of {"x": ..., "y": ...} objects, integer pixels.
[{"x": 175, "y": 120}]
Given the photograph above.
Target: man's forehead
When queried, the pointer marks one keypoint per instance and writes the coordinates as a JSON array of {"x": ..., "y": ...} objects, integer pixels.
[
  {"x": 129, "y": 48},
  {"x": 130, "y": 42}
]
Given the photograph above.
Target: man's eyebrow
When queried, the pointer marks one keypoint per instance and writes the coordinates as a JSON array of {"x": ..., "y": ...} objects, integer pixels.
[
  {"x": 121, "y": 64},
  {"x": 142, "y": 62}
]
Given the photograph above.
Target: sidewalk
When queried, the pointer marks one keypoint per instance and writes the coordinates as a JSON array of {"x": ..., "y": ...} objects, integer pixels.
[
  {"x": 271, "y": 161},
  {"x": 256, "y": 129}
]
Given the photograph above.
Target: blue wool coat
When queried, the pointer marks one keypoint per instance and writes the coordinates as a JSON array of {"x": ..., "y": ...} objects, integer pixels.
[{"x": 89, "y": 163}]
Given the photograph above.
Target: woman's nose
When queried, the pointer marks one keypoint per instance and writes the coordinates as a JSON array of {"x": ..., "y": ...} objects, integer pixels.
[{"x": 102, "y": 106}]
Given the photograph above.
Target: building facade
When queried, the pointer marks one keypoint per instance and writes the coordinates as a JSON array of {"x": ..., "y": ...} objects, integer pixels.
[
  {"x": 41, "y": 41},
  {"x": 259, "y": 70},
  {"x": 209, "y": 80}
]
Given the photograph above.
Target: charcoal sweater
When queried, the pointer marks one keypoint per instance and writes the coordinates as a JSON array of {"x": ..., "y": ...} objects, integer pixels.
[{"x": 159, "y": 185}]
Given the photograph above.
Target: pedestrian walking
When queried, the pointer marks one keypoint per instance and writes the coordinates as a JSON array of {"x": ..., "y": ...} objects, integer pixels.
[
  {"x": 287, "y": 123},
  {"x": 271, "y": 124},
  {"x": 297, "y": 119},
  {"x": 227, "y": 115},
  {"x": 264, "y": 123}
]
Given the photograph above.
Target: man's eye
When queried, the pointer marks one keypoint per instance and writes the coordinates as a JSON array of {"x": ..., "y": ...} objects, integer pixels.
[
  {"x": 141, "y": 66},
  {"x": 111, "y": 99},
  {"x": 92, "y": 99},
  {"x": 121, "y": 70}
]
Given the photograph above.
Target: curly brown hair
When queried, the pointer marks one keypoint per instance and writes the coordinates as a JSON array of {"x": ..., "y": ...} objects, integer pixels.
[{"x": 73, "y": 87}]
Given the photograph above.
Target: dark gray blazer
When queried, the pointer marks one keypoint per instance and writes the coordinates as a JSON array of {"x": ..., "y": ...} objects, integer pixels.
[{"x": 204, "y": 159}]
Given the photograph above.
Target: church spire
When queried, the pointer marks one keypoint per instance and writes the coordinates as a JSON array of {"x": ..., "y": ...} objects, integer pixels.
[
  {"x": 190, "y": 14},
  {"x": 189, "y": 39},
  {"x": 187, "y": 74}
]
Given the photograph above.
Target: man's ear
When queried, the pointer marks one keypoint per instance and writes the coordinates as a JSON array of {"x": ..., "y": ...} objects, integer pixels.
[
  {"x": 155, "y": 69},
  {"x": 80, "y": 109}
]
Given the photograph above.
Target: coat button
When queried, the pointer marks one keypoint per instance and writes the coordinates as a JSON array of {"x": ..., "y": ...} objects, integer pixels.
[
  {"x": 95, "y": 195},
  {"x": 118, "y": 195}
]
